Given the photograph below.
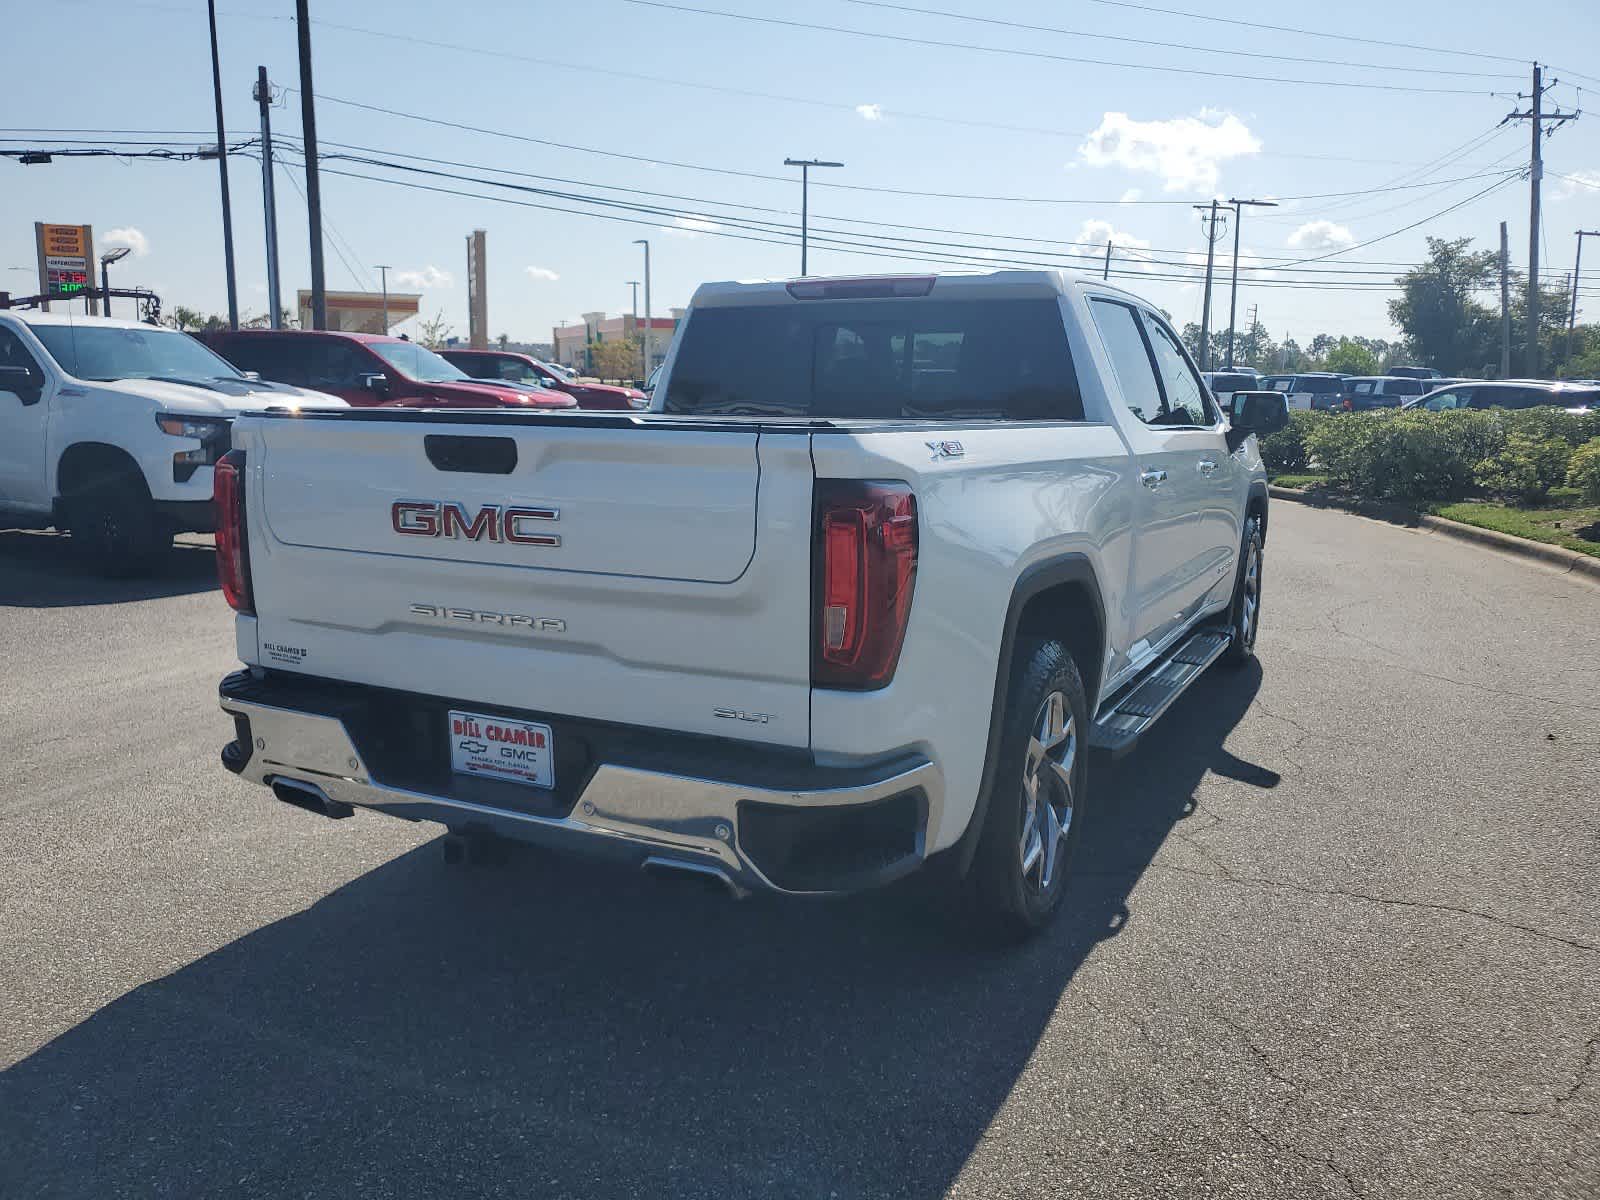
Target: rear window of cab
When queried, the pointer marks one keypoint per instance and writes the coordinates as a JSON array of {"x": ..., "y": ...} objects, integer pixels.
[{"x": 881, "y": 358}]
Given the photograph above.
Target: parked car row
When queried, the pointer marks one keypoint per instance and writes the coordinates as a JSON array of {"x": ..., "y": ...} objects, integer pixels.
[{"x": 1578, "y": 396}]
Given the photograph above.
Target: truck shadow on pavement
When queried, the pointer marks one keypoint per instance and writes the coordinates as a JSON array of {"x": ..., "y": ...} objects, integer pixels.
[
  {"x": 43, "y": 570},
  {"x": 547, "y": 1028}
]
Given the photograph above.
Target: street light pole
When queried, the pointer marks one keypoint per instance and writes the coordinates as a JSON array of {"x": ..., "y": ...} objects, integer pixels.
[
  {"x": 222, "y": 170},
  {"x": 383, "y": 274},
  {"x": 1233, "y": 299},
  {"x": 1572, "y": 316},
  {"x": 648, "y": 330},
  {"x": 116, "y": 256},
  {"x": 805, "y": 165},
  {"x": 644, "y": 362}
]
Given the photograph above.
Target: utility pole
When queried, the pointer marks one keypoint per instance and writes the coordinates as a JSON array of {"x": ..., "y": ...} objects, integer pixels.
[
  {"x": 805, "y": 165},
  {"x": 1233, "y": 298},
  {"x": 648, "y": 330},
  {"x": 643, "y": 361},
  {"x": 308, "y": 121},
  {"x": 222, "y": 170},
  {"x": 1537, "y": 119},
  {"x": 1250, "y": 341},
  {"x": 1107, "y": 274},
  {"x": 1210, "y": 226},
  {"x": 1577, "y": 274},
  {"x": 1505, "y": 303},
  {"x": 383, "y": 274},
  {"x": 269, "y": 203}
]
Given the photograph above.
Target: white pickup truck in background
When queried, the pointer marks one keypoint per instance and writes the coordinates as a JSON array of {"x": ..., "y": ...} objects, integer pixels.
[
  {"x": 110, "y": 429},
  {"x": 887, "y": 558}
]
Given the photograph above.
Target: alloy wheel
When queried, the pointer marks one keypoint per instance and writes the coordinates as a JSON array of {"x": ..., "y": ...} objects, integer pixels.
[{"x": 1047, "y": 792}]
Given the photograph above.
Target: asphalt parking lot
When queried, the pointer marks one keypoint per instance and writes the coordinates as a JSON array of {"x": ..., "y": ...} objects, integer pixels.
[{"x": 1336, "y": 933}]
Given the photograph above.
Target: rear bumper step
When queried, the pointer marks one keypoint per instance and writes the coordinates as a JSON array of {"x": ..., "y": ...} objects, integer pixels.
[
  {"x": 1143, "y": 705},
  {"x": 845, "y": 830}
]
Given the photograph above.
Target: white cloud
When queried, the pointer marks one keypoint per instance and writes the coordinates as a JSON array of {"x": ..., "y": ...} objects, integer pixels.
[
  {"x": 690, "y": 227},
  {"x": 1187, "y": 152},
  {"x": 1131, "y": 195},
  {"x": 870, "y": 112},
  {"x": 544, "y": 274},
  {"x": 1579, "y": 183},
  {"x": 429, "y": 277},
  {"x": 1321, "y": 235},
  {"x": 128, "y": 236}
]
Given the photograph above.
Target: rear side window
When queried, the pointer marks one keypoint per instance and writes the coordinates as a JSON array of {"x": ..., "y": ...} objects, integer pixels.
[
  {"x": 280, "y": 359},
  {"x": 1363, "y": 388},
  {"x": 977, "y": 360},
  {"x": 1318, "y": 385},
  {"x": 1403, "y": 387},
  {"x": 1119, "y": 330},
  {"x": 1188, "y": 402}
]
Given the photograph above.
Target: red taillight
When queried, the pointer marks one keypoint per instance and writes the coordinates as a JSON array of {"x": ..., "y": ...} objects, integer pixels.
[
  {"x": 865, "y": 568},
  {"x": 233, "y": 548}
]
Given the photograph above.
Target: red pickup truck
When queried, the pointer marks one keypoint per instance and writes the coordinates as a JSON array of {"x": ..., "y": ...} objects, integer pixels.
[
  {"x": 367, "y": 369},
  {"x": 508, "y": 365}
]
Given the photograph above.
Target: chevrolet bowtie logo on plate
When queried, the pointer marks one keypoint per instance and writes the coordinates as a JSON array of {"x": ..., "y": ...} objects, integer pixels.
[{"x": 516, "y": 524}]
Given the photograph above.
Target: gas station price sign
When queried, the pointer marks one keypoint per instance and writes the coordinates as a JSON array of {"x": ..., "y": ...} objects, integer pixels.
[{"x": 66, "y": 257}]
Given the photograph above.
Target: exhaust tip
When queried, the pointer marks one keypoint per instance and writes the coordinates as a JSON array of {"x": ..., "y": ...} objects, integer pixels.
[
  {"x": 704, "y": 872},
  {"x": 311, "y": 798}
]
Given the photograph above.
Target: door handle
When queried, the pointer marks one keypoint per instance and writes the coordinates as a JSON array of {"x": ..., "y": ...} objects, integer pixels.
[
  {"x": 1207, "y": 466},
  {"x": 1152, "y": 479}
]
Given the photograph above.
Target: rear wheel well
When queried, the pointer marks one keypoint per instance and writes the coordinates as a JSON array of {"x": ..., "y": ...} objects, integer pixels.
[{"x": 1068, "y": 612}]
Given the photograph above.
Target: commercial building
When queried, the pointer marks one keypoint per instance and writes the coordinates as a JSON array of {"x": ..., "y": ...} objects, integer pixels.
[{"x": 573, "y": 344}]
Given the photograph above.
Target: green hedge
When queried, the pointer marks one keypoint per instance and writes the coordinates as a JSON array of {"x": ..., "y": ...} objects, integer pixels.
[
  {"x": 1284, "y": 452},
  {"x": 1421, "y": 457},
  {"x": 1583, "y": 471}
]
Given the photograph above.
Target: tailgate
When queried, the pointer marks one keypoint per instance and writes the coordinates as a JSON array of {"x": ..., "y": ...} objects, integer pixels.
[{"x": 651, "y": 576}]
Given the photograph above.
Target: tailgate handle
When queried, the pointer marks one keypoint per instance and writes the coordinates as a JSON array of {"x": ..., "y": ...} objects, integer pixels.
[{"x": 471, "y": 455}]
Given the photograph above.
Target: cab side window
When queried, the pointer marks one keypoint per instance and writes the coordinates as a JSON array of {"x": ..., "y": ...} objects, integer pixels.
[
  {"x": 1188, "y": 402},
  {"x": 1130, "y": 359}
]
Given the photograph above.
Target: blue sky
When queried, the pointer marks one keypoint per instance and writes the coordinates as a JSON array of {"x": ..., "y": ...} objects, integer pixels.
[{"x": 914, "y": 117}]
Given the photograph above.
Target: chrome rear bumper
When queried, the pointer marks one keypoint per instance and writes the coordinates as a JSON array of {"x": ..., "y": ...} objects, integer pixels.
[{"x": 649, "y": 816}]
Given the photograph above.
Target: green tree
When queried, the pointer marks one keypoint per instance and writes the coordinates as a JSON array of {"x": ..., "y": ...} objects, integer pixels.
[
  {"x": 616, "y": 359},
  {"x": 1349, "y": 356},
  {"x": 1439, "y": 312},
  {"x": 435, "y": 331}
]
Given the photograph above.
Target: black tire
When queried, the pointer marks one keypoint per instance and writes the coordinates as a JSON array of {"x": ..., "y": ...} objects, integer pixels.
[
  {"x": 115, "y": 525},
  {"x": 1019, "y": 898},
  {"x": 1244, "y": 615}
]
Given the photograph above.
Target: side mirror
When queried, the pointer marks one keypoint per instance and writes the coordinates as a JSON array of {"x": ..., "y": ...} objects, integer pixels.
[
  {"x": 1259, "y": 413},
  {"x": 377, "y": 382},
  {"x": 25, "y": 384}
]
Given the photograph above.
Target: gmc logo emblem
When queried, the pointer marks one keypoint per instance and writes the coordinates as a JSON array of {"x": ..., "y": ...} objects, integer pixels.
[{"x": 491, "y": 523}]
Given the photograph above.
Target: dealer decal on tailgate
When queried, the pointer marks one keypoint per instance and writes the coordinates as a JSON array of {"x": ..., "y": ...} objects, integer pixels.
[{"x": 515, "y": 751}]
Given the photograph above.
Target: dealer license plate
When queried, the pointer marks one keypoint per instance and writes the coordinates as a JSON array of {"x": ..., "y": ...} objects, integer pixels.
[{"x": 498, "y": 748}]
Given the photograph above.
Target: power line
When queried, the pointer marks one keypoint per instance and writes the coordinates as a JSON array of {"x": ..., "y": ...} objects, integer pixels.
[
  {"x": 1230, "y": 51},
  {"x": 847, "y": 187},
  {"x": 1407, "y": 228},
  {"x": 1341, "y": 37},
  {"x": 1147, "y": 253},
  {"x": 769, "y": 233},
  {"x": 1045, "y": 56}
]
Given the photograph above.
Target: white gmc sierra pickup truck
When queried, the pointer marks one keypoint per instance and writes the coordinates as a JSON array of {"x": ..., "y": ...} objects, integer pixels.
[{"x": 887, "y": 558}]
